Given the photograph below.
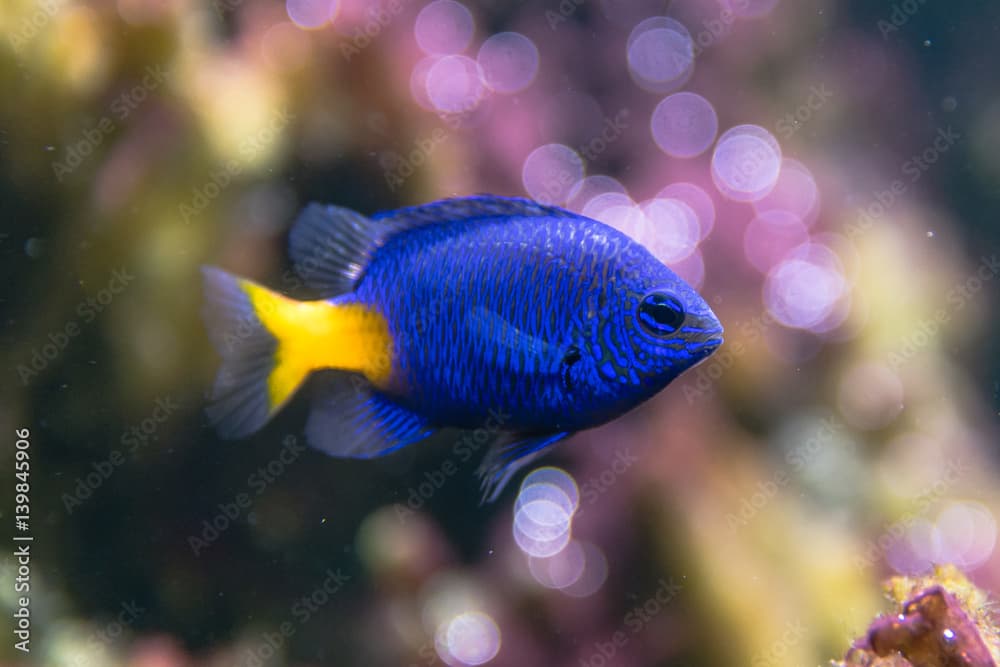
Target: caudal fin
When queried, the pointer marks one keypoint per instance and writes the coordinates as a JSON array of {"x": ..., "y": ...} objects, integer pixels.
[
  {"x": 269, "y": 345},
  {"x": 241, "y": 396}
]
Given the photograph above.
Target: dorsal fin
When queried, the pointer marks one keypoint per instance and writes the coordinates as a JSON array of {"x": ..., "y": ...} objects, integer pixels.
[
  {"x": 331, "y": 245},
  {"x": 468, "y": 208}
]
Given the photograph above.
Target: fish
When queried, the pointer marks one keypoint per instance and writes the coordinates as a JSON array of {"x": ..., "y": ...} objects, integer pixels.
[{"x": 454, "y": 314}]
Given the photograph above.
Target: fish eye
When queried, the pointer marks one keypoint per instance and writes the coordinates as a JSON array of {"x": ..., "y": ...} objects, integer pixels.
[{"x": 661, "y": 314}]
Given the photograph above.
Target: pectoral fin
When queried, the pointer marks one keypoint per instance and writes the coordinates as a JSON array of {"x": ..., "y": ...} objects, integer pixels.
[{"x": 508, "y": 454}]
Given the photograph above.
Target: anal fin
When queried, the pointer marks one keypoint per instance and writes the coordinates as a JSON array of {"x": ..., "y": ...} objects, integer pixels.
[{"x": 349, "y": 419}]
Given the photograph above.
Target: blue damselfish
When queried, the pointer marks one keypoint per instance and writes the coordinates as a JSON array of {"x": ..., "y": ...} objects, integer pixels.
[{"x": 456, "y": 313}]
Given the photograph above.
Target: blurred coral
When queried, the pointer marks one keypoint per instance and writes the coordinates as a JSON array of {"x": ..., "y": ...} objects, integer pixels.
[{"x": 943, "y": 620}]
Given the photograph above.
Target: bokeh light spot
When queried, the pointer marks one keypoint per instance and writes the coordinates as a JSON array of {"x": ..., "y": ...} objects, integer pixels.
[
  {"x": 684, "y": 124},
  {"x": 746, "y": 163},
  {"x": 770, "y": 236},
  {"x": 546, "y": 477},
  {"x": 561, "y": 570},
  {"x": 915, "y": 553},
  {"x": 660, "y": 54},
  {"x": 549, "y": 494},
  {"x": 551, "y": 172},
  {"x": 626, "y": 218},
  {"x": 509, "y": 62},
  {"x": 454, "y": 84},
  {"x": 964, "y": 533},
  {"x": 691, "y": 269},
  {"x": 695, "y": 197},
  {"x": 591, "y": 187},
  {"x": 444, "y": 27},
  {"x": 795, "y": 191},
  {"x": 311, "y": 14},
  {"x": 418, "y": 82},
  {"x": 541, "y": 547},
  {"x": 802, "y": 291},
  {"x": 544, "y": 519},
  {"x": 542, "y": 526},
  {"x": 470, "y": 638},
  {"x": 595, "y": 573},
  {"x": 669, "y": 229},
  {"x": 543, "y": 512},
  {"x": 968, "y": 534},
  {"x": 598, "y": 207}
]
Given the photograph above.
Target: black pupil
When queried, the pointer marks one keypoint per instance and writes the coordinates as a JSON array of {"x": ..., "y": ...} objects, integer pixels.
[
  {"x": 572, "y": 356},
  {"x": 661, "y": 313}
]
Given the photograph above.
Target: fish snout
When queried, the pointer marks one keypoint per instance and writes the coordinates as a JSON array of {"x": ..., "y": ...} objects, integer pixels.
[{"x": 709, "y": 333}]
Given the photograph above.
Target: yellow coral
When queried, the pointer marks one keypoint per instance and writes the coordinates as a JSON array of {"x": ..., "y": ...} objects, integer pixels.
[{"x": 909, "y": 640}]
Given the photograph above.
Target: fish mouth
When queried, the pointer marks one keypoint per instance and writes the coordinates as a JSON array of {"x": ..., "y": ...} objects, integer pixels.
[
  {"x": 703, "y": 341},
  {"x": 713, "y": 344},
  {"x": 710, "y": 341}
]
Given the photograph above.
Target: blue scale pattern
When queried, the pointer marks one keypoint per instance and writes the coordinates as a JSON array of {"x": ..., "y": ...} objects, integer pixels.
[{"x": 487, "y": 309}]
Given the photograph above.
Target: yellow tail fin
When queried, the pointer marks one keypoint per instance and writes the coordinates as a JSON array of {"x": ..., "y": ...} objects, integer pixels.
[{"x": 271, "y": 343}]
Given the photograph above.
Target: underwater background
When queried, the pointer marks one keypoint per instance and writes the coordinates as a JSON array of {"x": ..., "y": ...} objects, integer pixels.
[{"x": 824, "y": 173}]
